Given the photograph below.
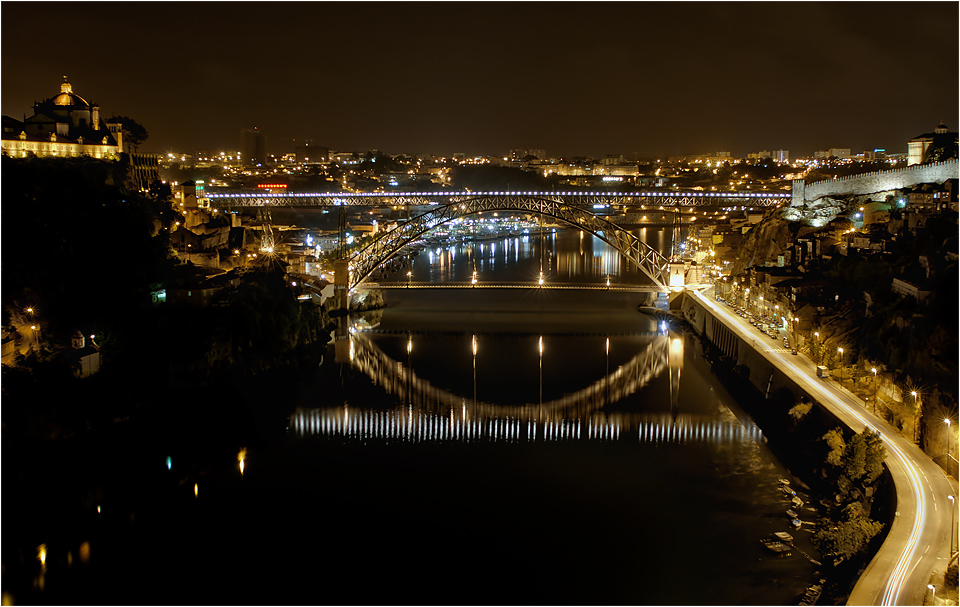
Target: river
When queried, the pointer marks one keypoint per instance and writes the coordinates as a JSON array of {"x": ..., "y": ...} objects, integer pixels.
[{"x": 457, "y": 447}]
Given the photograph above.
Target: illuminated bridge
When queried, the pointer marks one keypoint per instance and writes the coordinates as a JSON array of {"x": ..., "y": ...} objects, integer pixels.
[
  {"x": 648, "y": 260},
  {"x": 573, "y": 208},
  {"x": 584, "y": 199},
  {"x": 587, "y": 286}
]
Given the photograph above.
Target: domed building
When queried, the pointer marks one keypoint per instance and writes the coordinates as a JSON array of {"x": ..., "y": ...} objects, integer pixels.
[
  {"x": 64, "y": 125},
  {"x": 937, "y": 146}
]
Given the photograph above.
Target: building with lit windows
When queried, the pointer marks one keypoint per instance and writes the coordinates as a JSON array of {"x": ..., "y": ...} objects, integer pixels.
[{"x": 64, "y": 125}]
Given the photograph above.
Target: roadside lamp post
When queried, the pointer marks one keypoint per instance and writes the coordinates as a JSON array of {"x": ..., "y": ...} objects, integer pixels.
[
  {"x": 840, "y": 350},
  {"x": 916, "y": 418},
  {"x": 874, "y": 371},
  {"x": 953, "y": 513},
  {"x": 933, "y": 596},
  {"x": 409, "y": 274},
  {"x": 946, "y": 420},
  {"x": 746, "y": 303}
]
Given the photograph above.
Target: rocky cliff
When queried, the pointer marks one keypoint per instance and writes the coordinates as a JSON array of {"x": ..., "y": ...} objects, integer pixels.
[{"x": 767, "y": 240}]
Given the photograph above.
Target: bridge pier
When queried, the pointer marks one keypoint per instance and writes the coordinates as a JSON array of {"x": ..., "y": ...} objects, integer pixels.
[{"x": 341, "y": 284}]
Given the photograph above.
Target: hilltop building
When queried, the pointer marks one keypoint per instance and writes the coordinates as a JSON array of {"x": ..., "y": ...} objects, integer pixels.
[
  {"x": 939, "y": 145},
  {"x": 64, "y": 125}
]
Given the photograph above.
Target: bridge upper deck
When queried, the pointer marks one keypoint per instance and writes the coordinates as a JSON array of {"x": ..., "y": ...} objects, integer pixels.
[{"x": 594, "y": 199}]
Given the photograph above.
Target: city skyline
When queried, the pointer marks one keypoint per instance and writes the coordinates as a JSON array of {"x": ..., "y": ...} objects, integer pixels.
[{"x": 482, "y": 78}]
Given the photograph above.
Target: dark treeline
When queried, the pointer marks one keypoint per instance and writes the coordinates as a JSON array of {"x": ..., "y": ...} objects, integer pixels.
[{"x": 85, "y": 251}]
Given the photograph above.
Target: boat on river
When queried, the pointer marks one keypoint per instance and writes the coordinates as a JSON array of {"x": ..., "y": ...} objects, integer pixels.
[{"x": 777, "y": 547}]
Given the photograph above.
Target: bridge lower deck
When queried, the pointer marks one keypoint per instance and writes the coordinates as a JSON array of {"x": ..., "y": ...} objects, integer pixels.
[{"x": 512, "y": 285}]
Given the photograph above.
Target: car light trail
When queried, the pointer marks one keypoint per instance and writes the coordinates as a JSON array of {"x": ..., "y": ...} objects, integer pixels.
[{"x": 896, "y": 582}]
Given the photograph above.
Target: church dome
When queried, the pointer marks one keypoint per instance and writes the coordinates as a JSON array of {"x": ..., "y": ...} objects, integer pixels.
[{"x": 67, "y": 96}]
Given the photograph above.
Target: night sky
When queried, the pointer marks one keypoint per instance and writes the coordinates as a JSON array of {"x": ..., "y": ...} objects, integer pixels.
[{"x": 482, "y": 78}]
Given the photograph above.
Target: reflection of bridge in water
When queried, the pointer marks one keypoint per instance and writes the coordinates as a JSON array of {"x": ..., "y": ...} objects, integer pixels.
[
  {"x": 395, "y": 378},
  {"x": 407, "y": 423},
  {"x": 431, "y": 413}
]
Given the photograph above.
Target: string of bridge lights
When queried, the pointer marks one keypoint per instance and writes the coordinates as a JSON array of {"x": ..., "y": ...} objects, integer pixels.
[{"x": 335, "y": 195}]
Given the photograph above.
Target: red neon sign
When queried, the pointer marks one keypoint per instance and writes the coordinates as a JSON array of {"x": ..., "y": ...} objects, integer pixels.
[{"x": 272, "y": 185}]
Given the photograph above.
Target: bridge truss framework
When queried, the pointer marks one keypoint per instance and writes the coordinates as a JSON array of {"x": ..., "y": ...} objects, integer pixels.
[
  {"x": 665, "y": 198},
  {"x": 648, "y": 259}
]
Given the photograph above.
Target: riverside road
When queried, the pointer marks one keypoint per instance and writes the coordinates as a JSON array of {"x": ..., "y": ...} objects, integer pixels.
[{"x": 918, "y": 543}]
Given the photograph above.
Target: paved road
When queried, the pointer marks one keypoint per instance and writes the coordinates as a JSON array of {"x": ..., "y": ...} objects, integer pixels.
[{"x": 918, "y": 544}]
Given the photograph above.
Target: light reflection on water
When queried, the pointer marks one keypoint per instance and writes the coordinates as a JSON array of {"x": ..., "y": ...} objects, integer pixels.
[
  {"x": 566, "y": 255},
  {"x": 429, "y": 413},
  {"x": 409, "y": 425}
]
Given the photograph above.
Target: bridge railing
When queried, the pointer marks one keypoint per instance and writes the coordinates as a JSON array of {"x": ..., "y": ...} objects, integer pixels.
[{"x": 672, "y": 198}]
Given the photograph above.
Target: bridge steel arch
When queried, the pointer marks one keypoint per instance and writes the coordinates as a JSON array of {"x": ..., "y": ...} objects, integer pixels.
[{"x": 648, "y": 259}]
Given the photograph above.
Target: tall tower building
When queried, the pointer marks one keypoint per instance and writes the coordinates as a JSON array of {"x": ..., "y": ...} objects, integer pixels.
[{"x": 254, "y": 147}]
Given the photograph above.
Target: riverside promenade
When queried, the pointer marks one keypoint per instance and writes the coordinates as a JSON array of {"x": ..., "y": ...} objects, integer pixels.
[{"x": 918, "y": 544}]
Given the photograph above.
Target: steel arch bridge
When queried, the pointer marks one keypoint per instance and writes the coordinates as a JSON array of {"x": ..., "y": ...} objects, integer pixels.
[{"x": 648, "y": 259}]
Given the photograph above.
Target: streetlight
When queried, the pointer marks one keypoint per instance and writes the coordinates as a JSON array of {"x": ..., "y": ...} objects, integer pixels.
[
  {"x": 916, "y": 418},
  {"x": 840, "y": 350},
  {"x": 874, "y": 371},
  {"x": 409, "y": 274},
  {"x": 933, "y": 597},
  {"x": 946, "y": 420},
  {"x": 953, "y": 512}
]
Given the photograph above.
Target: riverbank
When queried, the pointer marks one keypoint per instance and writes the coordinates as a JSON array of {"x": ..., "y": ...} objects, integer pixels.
[{"x": 922, "y": 510}]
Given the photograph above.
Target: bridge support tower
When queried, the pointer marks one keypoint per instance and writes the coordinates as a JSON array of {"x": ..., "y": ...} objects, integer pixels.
[
  {"x": 676, "y": 282},
  {"x": 341, "y": 283}
]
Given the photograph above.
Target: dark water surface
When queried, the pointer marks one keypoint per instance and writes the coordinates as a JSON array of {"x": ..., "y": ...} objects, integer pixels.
[{"x": 497, "y": 448}]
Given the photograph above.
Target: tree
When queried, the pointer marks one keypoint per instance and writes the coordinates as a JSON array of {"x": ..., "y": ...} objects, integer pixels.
[
  {"x": 837, "y": 445},
  {"x": 134, "y": 133},
  {"x": 849, "y": 536},
  {"x": 800, "y": 410},
  {"x": 863, "y": 459}
]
